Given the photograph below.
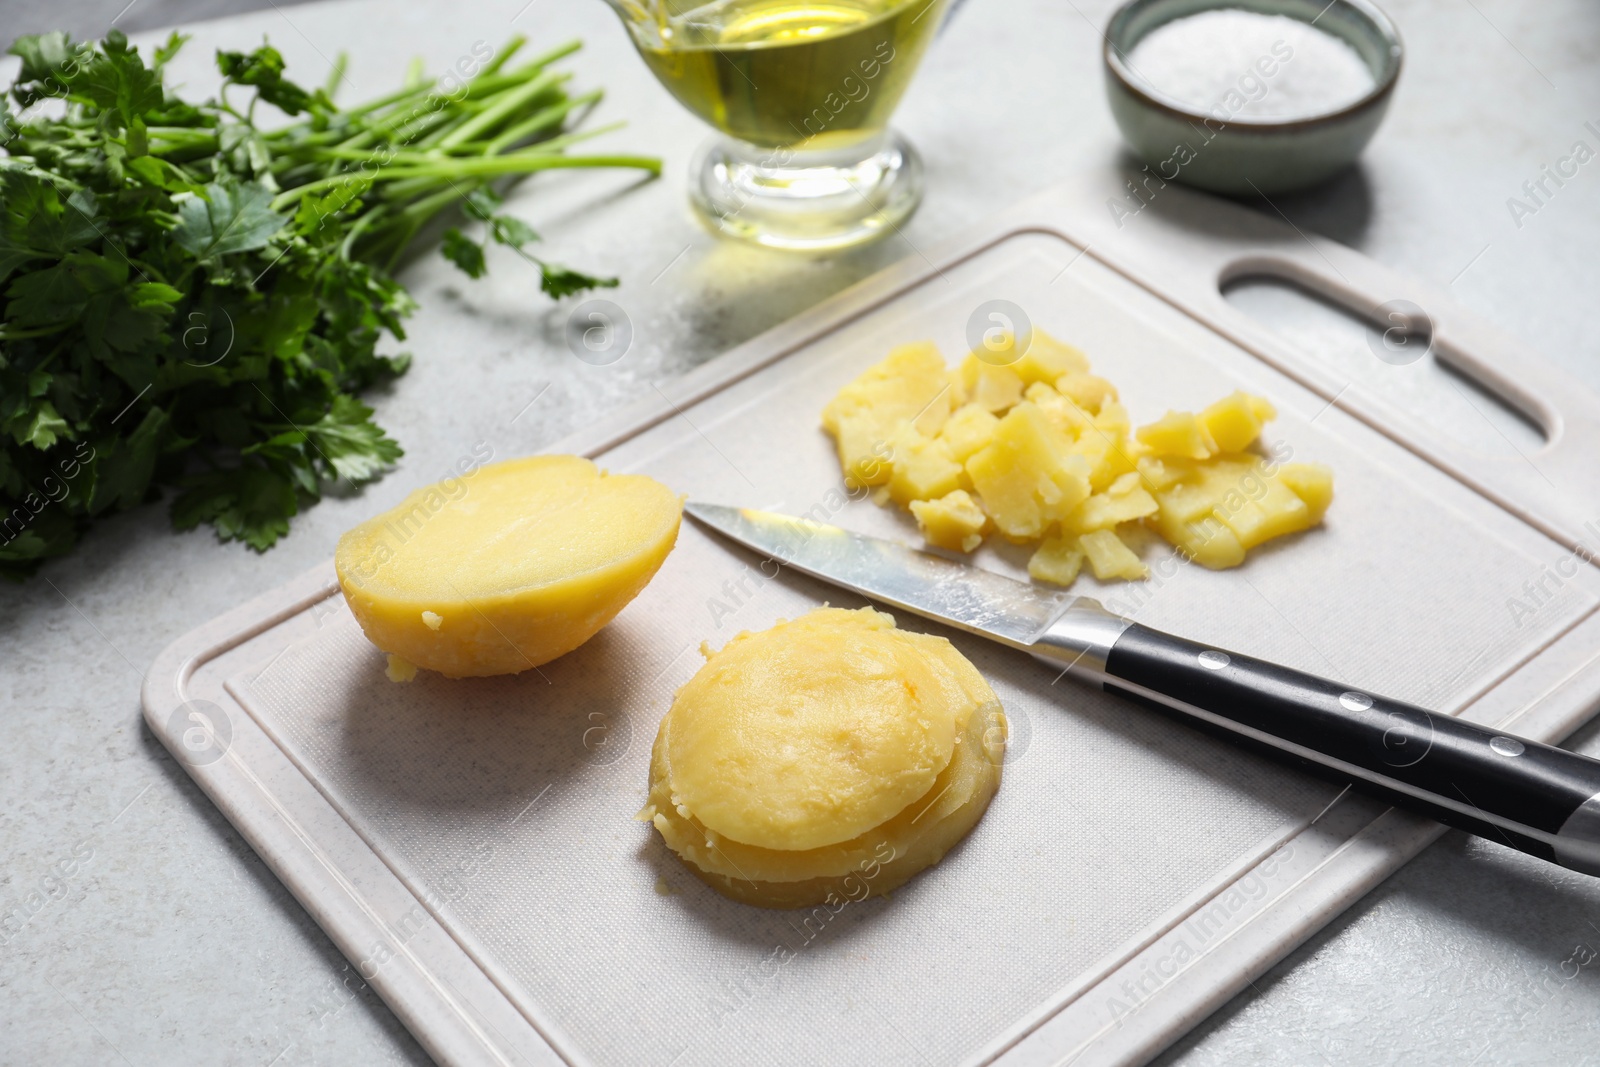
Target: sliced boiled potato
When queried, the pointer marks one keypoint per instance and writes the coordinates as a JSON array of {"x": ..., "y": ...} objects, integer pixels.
[
  {"x": 815, "y": 731},
  {"x": 506, "y": 568},
  {"x": 879, "y": 876},
  {"x": 920, "y": 828},
  {"x": 833, "y": 754}
]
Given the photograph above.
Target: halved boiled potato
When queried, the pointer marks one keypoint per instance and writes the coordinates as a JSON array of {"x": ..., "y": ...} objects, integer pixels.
[{"x": 508, "y": 567}]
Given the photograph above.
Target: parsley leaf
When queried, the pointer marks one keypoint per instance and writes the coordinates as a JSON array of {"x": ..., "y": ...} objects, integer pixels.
[
  {"x": 263, "y": 69},
  {"x": 350, "y": 442},
  {"x": 37, "y": 223},
  {"x": 463, "y": 252},
  {"x": 227, "y": 217},
  {"x": 563, "y": 281}
]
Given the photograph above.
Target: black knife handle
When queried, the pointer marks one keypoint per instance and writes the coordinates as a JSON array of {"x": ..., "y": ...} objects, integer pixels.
[{"x": 1533, "y": 797}]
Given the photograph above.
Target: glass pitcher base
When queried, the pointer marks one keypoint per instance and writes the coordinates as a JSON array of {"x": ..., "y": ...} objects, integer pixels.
[{"x": 814, "y": 201}]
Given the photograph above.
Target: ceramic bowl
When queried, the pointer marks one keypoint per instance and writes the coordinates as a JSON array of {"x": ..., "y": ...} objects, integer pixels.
[{"x": 1229, "y": 154}]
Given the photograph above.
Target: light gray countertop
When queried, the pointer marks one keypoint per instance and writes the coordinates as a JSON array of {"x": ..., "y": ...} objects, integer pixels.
[{"x": 158, "y": 936}]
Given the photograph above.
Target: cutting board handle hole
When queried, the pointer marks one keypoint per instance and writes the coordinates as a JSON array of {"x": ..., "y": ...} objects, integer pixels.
[{"x": 1389, "y": 351}]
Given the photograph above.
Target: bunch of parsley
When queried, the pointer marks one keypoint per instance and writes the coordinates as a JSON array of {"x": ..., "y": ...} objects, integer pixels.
[{"x": 190, "y": 300}]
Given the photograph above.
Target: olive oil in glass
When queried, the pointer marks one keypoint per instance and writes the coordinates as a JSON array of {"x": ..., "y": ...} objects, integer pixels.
[{"x": 802, "y": 91}]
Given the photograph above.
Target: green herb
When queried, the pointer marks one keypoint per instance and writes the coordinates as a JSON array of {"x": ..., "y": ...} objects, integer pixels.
[{"x": 191, "y": 299}]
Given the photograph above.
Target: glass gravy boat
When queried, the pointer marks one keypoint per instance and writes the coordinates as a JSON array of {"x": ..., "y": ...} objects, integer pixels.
[{"x": 801, "y": 92}]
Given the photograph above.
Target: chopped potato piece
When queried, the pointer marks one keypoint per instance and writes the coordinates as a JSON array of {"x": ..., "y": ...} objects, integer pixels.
[
  {"x": 1186, "y": 501},
  {"x": 992, "y": 387},
  {"x": 1058, "y": 560},
  {"x": 1065, "y": 415},
  {"x": 969, "y": 429},
  {"x": 1088, "y": 391},
  {"x": 1028, "y": 475},
  {"x": 1178, "y": 433},
  {"x": 1108, "y": 510},
  {"x": 1311, "y": 482},
  {"x": 923, "y": 469},
  {"x": 1109, "y": 557},
  {"x": 866, "y": 415},
  {"x": 1047, "y": 359},
  {"x": 1244, "y": 496},
  {"x": 1206, "y": 542},
  {"x": 999, "y": 349},
  {"x": 1112, "y": 418},
  {"x": 1252, "y": 503},
  {"x": 954, "y": 521},
  {"x": 399, "y": 669},
  {"x": 1125, "y": 484},
  {"x": 1279, "y": 513},
  {"x": 1161, "y": 473},
  {"x": 1108, "y": 457},
  {"x": 1234, "y": 422}
]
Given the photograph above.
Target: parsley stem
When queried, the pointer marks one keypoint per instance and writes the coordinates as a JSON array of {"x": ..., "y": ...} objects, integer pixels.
[
  {"x": 41, "y": 331},
  {"x": 505, "y": 52},
  {"x": 503, "y": 107},
  {"x": 490, "y": 167},
  {"x": 521, "y": 163},
  {"x": 540, "y": 121}
]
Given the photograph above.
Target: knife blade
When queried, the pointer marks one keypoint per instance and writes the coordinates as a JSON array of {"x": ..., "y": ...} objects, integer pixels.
[
  {"x": 980, "y": 602},
  {"x": 1512, "y": 790}
]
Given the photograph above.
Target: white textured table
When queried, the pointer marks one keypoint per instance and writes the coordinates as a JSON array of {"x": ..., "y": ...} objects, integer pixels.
[{"x": 150, "y": 934}]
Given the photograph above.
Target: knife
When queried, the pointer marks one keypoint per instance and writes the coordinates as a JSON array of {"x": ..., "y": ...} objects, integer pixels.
[{"x": 1539, "y": 799}]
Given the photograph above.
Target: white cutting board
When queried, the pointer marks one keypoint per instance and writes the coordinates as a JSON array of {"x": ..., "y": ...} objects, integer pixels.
[{"x": 470, "y": 845}]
